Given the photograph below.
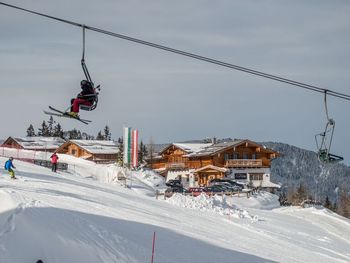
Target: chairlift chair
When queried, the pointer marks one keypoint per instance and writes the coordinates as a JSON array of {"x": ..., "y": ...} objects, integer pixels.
[{"x": 324, "y": 140}]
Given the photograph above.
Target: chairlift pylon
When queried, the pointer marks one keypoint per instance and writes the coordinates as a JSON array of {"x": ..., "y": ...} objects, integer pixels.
[{"x": 324, "y": 139}]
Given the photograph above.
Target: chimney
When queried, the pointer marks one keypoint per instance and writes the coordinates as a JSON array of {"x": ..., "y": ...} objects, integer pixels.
[{"x": 213, "y": 140}]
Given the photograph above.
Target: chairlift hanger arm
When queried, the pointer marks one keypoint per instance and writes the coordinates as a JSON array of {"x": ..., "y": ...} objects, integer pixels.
[{"x": 191, "y": 55}]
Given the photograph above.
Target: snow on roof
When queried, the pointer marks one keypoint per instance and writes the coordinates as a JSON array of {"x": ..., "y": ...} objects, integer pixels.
[
  {"x": 213, "y": 148},
  {"x": 192, "y": 147},
  {"x": 40, "y": 143},
  {"x": 97, "y": 146}
]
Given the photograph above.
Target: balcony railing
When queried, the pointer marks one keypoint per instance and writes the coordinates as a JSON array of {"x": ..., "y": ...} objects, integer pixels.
[
  {"x": 175, "y": 166},
  {"x": 232, "y": 163}
]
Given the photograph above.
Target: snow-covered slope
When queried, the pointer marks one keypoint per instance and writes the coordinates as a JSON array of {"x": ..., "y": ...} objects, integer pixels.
[{"x": 86, "y": 216}]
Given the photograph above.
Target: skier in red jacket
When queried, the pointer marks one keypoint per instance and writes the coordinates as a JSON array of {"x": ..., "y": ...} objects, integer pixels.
[{"x": 54, "y": 160}]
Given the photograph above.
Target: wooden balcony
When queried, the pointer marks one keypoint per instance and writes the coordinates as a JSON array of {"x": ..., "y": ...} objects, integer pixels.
[
  {"x": 175, "y": 166},
  {"x": 246, "y": 163}
]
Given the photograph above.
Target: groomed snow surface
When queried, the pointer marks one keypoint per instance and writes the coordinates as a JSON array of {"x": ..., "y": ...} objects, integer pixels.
[{"x": 87, "y": 215}]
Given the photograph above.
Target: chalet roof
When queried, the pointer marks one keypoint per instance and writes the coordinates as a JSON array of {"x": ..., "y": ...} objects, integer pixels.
[
  {"x": 214, "y": 148},
  {"x": 218, "y": 147},
  {"x": 192, "y": 147},
  {"x": 97, "y": 146},
  {"x": 187, "y": 147},
  {"x": 38, "y": 142}
]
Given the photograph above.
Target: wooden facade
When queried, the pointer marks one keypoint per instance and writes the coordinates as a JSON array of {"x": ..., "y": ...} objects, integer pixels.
[
  {"x": 243, "y": 154},
  {"x": 47, "y": 144},
  {"x": 79, "y": 150}
]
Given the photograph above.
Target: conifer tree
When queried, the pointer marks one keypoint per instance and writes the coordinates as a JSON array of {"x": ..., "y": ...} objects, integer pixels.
[
  {"x": 327, "y": 203},
  {"x": 107, "y": 133},
  {"x": 344, "y": 204},
  {"x": 51, "y": 123},
  {"x": 75, "y": 135},
  {"x": 142, "y": 152},
  {"x": 44, "y": 130},
  {"x": 57, "y": 131},
  {"x": 30, "y": 131},
  {"x": 120, "y": 151},
  {"x": 99, "y": 136}
]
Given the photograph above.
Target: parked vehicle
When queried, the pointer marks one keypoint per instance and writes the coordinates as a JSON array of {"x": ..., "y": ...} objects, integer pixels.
[
  {"x": 173, "y": 183},
  {"x": 214, "y": 189},
  {"x": 195, "y": 191},
  {"x": 171, "y": 190},
  {"x": 228, "y": 182}
]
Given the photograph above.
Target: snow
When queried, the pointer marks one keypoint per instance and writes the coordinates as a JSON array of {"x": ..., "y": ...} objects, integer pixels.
[
  {"x": 39, "y": 142},
  {"x": 87, "y": 215},
  {"x": 97, "y": 146}
]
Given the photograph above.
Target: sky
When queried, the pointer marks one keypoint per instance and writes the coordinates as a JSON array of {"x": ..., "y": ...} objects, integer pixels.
[{"x": 172, "y": 98}]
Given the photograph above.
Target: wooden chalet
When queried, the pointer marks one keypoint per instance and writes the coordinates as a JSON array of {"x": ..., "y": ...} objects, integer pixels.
[
  {"x": 243, "y": 160},
  {"x": 92, "y": 150},
  {"x": 37, "y": 143}
]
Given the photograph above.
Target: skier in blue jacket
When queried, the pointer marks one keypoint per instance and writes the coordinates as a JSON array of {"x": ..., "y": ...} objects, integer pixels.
[{"x": 8, "y": 166}]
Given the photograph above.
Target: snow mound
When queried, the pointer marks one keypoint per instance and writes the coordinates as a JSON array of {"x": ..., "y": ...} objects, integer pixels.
[{"x": 216, "y": 204}]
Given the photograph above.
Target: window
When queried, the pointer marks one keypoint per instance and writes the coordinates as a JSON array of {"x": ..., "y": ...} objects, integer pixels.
[
  {"x": 254, "y": 156},
  {"x": 226, "y": 156},
  {"x": 73, "y": 151},
  {"x": 240, "y": 176},
  {"x": 256, "y": 177},
  {"x": 235, "y": 156},
  {"x": 245, "y": 156}
]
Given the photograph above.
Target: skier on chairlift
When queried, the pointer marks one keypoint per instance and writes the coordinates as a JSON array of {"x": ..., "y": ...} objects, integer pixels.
[{"x": 86, "y": 97}]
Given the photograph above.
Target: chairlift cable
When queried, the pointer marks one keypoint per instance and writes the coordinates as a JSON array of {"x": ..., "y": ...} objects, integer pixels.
[{"x": 191, "y": 55}]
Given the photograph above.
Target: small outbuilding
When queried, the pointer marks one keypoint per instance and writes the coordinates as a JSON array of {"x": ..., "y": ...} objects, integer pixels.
[
  {"x": 37, "y": 143},
  {"x": 92, "y": 150}
]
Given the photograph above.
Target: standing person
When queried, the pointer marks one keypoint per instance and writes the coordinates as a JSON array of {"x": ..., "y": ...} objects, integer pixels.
[
  {"x": 85, "y": 97},
  {"x": 54, "y": 160},
  {"x": 8, "y": 167}
]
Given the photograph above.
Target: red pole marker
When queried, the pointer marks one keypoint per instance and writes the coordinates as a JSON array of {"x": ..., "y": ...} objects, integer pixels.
[{"x": 154, "y": 240}]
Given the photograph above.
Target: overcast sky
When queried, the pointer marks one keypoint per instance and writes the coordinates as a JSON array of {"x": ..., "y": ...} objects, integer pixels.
[{"x": 173, "y": 98}]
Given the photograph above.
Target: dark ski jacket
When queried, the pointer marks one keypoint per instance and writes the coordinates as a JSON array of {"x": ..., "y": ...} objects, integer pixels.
[
  {"x": 8, "y": 165},
  {"x": 88, "y": 93}
]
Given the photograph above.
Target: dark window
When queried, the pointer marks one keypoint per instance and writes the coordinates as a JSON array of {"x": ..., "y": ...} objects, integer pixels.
[
  {"x": 245, "y": 156},
  {"x": 240, "y": 176},
  {"x": 235, "y": 156}
]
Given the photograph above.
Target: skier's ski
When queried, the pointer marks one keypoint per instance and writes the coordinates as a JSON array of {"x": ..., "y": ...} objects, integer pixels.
[{"x": 65, "y": 115}]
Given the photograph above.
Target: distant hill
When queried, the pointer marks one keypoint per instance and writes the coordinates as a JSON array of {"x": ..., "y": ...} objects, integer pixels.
[{"x": 297, "y": 166}]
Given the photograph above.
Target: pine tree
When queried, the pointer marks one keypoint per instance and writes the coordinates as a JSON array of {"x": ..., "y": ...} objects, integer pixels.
[
  {"x": 300, "y": 195},
  {"x": 51, "y": 123},
  {"x": 30, "y": 131},
  {"x": 327, "y": 203},
  {"x": 57, "y": 131},
  {"x": 86, "y": 136},
  {"x": 107, "y": 133},
  {"x": 151, "y": 153},
  {"x": 99, "y": 136},
  {"x": 344, "y": 204},
  {"x": 74, "y": 134},
  {"x": 44, "y": 130},
  {"x": 120, "y": 151},
  {"x": 142, "y": 153}
]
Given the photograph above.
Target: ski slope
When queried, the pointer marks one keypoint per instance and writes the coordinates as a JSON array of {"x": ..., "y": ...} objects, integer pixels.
[{"x": 86, "y": 215}]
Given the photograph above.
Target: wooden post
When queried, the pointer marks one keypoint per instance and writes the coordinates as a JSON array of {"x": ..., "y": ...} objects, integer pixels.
[{"x": 153, "y": 243}]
